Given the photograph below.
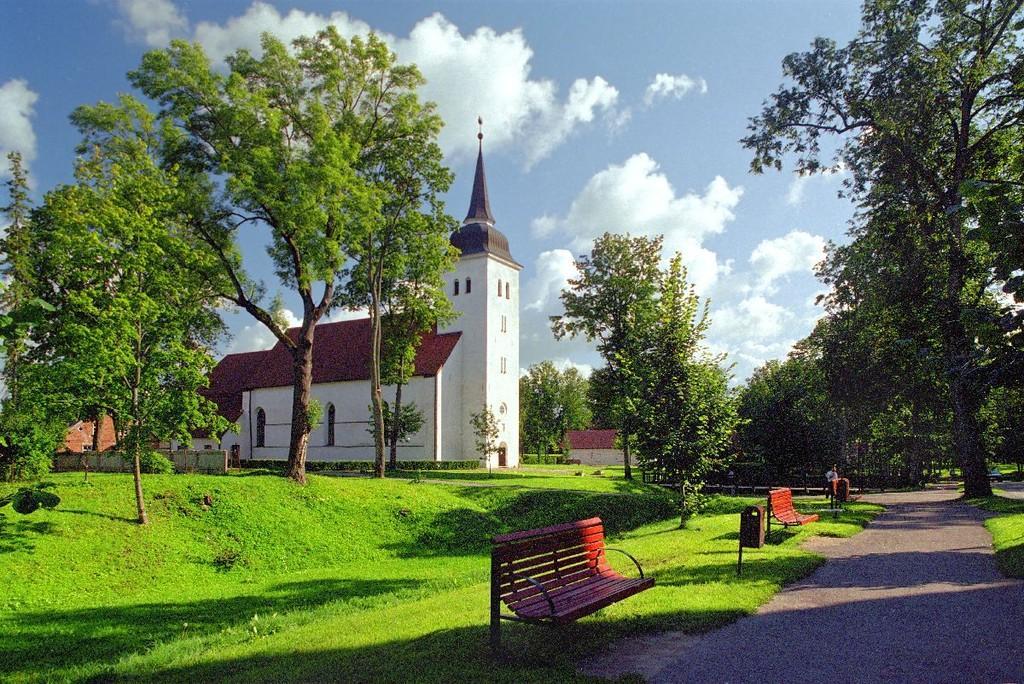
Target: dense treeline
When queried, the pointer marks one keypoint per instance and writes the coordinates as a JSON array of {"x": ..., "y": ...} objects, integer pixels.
[{"x": 924, "y": 109}]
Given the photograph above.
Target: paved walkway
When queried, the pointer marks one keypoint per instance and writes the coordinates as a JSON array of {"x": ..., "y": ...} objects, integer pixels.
[{"x": 916, "y": 597}]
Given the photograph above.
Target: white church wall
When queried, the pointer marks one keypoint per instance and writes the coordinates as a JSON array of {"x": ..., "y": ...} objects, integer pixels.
[{"x": 352, "y": 441}]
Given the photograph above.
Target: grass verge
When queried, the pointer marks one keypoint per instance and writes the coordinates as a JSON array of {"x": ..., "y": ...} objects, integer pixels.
[{"x": 1007, "y": 531}]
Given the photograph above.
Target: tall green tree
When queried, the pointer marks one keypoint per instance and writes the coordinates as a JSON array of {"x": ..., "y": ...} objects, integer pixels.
[
  {"x": 134, "y": 297},
  {"x": 16, "y": 267},
  {"x": 786, "y": 418},
  {"x": 325, "y": 145},
  {"x": 613, "y": 303},
  {"x": 551, "y": 402},
  {"x": 687, "y": 415},
  {"x": 923, "y": 101}
]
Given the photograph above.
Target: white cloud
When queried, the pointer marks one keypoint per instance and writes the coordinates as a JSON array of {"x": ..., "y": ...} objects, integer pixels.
[
  {"x": 555, "y": 123},
  {"x": 563, "y": 364},
  {"x": 483, "y": 73},
  {"x": 17, "y": 106},
  {"x": 667, "y": 85},
  {"x": 153, "y": 22},
  {"x": 256, "y": 336},
  {"x": 552, "y": 272},
  {"x": 244, "y": 31},
  {"x": 637, "y": 198},
  {"x": 798, "y": 187},
  {"x": 794, "y": 252},
  {"x": 753, "y": 319}
]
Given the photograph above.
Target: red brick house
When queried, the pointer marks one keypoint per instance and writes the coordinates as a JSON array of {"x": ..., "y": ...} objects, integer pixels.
[{"x": 80, "y": 436}]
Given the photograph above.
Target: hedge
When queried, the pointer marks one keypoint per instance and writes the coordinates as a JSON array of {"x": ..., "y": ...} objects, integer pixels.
[
  {"x": 542, "y": 459},
  {"x": 363, "y": 466}
]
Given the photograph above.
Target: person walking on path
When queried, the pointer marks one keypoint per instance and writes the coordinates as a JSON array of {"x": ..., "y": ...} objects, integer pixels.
[{"x": 916, "y": 595}]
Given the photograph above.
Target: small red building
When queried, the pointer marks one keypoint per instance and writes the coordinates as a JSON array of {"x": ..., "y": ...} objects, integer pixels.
[
  {"x": 593, "y": 447},
  {"x": 80, "y": 436}
]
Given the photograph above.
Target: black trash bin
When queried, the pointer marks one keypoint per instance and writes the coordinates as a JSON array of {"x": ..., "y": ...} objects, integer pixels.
[{"x": 752, "y": 527}]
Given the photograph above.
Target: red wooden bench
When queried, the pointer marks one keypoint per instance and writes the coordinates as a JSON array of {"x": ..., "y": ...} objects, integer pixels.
[
  {"x": 555, "y": 575},
  {"x": 780, "y": 506}
]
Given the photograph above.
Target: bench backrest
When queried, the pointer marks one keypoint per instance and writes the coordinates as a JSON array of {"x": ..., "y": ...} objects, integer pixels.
[
  {"x": 780, "y": 504},
  {"x": 554, "y": 556}
]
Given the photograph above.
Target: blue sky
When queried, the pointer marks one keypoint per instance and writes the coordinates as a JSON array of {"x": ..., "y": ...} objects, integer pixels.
[{"x": 598, "y": 116}]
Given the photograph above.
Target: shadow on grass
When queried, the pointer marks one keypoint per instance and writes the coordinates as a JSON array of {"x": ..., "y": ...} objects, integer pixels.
[
  {"x": 40, "y": 641},
  {"x": 530, "y": 653},
  {"x": 16, "y": 534},
  {"x": 468, "y": 531}
]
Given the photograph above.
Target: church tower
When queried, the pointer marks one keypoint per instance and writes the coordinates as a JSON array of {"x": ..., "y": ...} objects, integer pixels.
[{"x": 484, "y": 288}]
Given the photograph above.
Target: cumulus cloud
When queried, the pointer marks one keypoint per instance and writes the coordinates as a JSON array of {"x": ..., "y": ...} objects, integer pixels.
[
  {"x": 255, "y": 336},
  {"x": 754, "y": 318},
  {"x": 17, "y": 106},
  {"x": 552, "y": 272},
  {"x": 556, "y": 122},
  {"x": 798, "y": 186},
  {"x": 483, "y": 73},
  {"x": 636, "y": 197},
  {"x": 153, "y": 22},
  {"x": 794, "y": 252},
  {"x": 667, "y": 85}
]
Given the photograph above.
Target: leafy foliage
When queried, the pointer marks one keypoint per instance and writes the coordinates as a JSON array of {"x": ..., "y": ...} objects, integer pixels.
[
  {"x": 923, "y": 104},
  {"x": 551, "y": 402}
]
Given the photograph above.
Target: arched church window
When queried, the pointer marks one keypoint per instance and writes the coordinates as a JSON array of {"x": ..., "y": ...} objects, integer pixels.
[
  {"x": 503, "y": 409},
  {"x": 499, "y": 288},
  {"x": 456, "y": 291},
  {"x": 507, "y": 291},
  {"x": 261, "y": 427},
  {"x": 469, "y": 285},
  {"x": 330, "y": 425}
]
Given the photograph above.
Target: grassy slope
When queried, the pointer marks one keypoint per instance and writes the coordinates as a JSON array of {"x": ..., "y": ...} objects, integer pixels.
[
  {"x": 344, "y": 579},
  {"x": 1007, "y": 532}
]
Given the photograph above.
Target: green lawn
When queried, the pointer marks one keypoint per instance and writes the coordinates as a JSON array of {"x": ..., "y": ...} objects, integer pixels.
[
  {"x": 589, "y": 479},
  {"x": 347, "y": 578},
  {"x": 1007, "y": 532}
]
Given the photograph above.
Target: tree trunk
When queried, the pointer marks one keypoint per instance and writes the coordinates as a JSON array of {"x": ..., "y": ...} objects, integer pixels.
[
  {"x": 136, "y": 436},
  {"x": 626, "y": 456},
  {"x": 302, "y": 379},
  {"x": 395, "y": 424},
  {"x": 375, "y": 395},
  {"x": 964, "y": 392}
]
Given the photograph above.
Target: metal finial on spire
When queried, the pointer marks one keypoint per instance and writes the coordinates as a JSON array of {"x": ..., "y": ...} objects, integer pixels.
[{"x": 480, "y": 122}]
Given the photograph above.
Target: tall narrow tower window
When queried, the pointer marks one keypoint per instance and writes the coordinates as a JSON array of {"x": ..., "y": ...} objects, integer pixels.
[
  {"x": 455, "y": 292},
  {"x": 504, "y": 323},
  {"x": 499, "y": 288},
  {"x": 261, "y": 428},
  {"x": 508, "y": 290},
  {"x": 504, "y": 365},
  {"x": 469, "y": 285}
]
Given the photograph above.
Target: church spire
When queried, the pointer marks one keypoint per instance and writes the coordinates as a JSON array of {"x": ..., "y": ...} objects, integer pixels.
[{"x": 479, "y": 204}]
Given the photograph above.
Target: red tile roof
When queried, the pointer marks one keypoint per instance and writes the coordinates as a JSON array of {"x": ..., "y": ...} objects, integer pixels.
[
  {"x": 591, "y": 439},
  {"x": 341, "y": 351}
]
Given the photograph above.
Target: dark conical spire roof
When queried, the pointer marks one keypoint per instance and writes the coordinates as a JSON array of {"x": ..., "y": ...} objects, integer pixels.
[
  {"x": 477, "y": 233},
  {"x": 479, "y": 203}
]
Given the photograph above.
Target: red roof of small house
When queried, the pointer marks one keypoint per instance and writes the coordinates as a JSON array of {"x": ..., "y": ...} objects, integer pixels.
[
  {"x": 591, "y": 439},
  {"x": 341, "y": 351}
]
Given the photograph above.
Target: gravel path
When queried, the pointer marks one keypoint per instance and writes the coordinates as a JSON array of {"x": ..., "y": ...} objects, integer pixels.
[{"x": 916, "y": 597}]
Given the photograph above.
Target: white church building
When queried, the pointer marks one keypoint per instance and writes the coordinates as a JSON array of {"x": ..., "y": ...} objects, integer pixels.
[{"x": 460, "y": 369}]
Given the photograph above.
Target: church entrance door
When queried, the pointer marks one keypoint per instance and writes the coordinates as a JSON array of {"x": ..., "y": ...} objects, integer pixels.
[{"x": 502, "y": 456}]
